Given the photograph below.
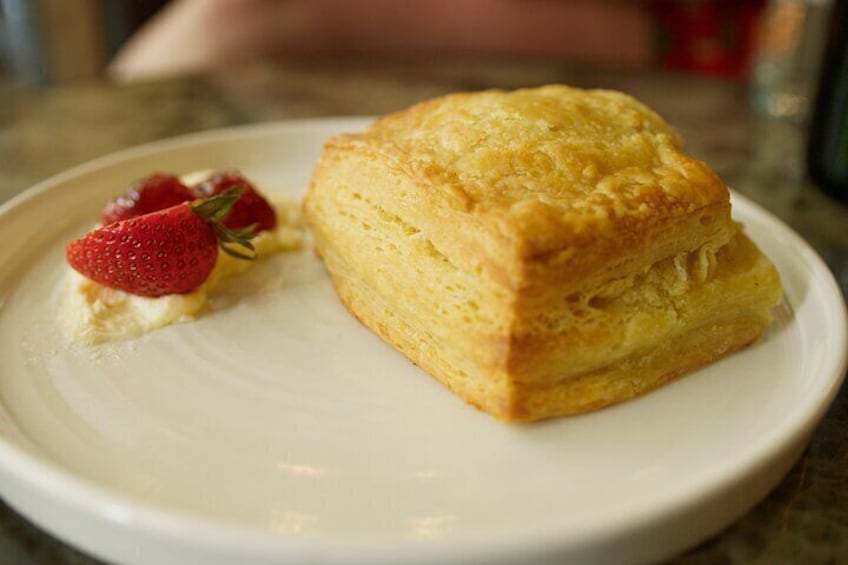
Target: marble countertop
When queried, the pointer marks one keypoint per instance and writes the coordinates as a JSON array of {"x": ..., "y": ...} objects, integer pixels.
[{"x": 805, "y": 520}]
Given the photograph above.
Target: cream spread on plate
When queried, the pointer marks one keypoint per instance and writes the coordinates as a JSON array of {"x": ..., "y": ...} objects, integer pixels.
[{"x": 91, "y": 313}]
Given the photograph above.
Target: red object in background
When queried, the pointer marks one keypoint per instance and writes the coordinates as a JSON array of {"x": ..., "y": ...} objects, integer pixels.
[{"x": 714, "y": 37}]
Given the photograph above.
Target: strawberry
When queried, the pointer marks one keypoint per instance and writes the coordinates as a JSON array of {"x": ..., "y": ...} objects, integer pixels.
[
  {"x": 154, "y": 192},
  {"x": 170, "y": 251},
  {"x": 250, "y": 210}
]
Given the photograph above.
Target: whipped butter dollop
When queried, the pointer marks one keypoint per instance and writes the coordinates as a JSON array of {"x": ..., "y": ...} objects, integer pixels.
[{"x": 91, "y": 313}]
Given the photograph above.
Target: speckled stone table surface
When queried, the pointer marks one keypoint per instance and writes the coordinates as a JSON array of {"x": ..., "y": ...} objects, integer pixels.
[{"x": 805, "y": 520}]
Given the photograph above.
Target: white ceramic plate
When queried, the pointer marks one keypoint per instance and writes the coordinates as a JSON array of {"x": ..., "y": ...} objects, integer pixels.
[{"x": 277, "y": 430}]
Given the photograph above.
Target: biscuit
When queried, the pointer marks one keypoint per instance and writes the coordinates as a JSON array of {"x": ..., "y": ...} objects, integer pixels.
[{"x": 541, "y": 252}]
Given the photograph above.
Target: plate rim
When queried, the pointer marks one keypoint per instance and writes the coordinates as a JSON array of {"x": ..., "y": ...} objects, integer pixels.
[
  {"x": 100, "y": 502},
  {"x": 151, "y": 147}
]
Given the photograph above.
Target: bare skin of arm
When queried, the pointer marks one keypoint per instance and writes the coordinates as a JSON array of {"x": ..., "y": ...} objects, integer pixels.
[{"x": 196, "y": 35}]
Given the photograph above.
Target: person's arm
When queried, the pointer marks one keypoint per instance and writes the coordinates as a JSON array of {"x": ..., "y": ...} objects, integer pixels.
[{"x": 191, "y": 35}]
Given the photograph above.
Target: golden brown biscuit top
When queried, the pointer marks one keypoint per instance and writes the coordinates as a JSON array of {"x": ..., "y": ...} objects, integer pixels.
[{"x": 551, "y": 164}]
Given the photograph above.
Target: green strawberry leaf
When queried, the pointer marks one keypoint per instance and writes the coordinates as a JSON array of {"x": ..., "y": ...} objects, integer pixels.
[{"x": 214, "y": 210}]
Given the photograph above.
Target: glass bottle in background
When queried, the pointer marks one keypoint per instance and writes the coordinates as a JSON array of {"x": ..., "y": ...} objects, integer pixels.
[
  {"x": 788, "y": 55},
  {"x": 827, "y": 158}
]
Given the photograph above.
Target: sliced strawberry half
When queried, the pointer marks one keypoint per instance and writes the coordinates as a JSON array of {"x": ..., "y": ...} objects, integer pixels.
[
  {"x": 170, "y": 251},
  {"x": 154, "y": 192}
]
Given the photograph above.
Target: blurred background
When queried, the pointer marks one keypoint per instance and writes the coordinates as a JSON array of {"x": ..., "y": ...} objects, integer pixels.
[
  {"x": 774, "y": 45},
  {"x": 44, "y": 42},
  {"x": 47, "y": 41}
]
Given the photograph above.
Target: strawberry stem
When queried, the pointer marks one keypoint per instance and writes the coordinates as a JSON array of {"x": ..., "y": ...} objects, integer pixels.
[{"x": 214, "y": 210}]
